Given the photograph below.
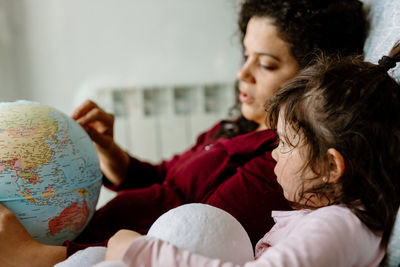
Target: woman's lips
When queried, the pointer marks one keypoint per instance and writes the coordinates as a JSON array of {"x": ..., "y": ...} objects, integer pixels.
[{"x": 246, "y": 99}]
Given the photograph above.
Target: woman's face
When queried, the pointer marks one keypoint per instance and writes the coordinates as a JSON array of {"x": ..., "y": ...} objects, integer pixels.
[{"x": 268, "y": 64}]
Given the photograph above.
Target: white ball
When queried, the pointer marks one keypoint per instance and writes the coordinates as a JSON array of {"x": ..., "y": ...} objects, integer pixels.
[{"x": 205, "y": 230}]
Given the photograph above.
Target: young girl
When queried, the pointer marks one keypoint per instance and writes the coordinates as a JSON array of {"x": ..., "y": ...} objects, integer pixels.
[{"x": 338, "y": 163}]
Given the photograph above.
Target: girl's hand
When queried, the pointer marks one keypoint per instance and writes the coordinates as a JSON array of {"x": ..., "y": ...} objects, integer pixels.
[
  {"x": 100, "y": 126},
  {"x": 119, "y": 243}
]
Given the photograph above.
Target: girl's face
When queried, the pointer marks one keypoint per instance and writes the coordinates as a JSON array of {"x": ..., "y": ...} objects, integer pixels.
[
  {"x": 268, "y": 64},
  {"x": 290, "y": 156}
]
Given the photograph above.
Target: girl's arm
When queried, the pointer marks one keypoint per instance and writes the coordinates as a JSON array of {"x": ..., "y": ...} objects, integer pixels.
[{"x": 331, "y": 236}]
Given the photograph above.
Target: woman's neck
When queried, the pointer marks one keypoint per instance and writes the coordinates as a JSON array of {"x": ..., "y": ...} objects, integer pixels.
[{"x": 261, "y": 127}]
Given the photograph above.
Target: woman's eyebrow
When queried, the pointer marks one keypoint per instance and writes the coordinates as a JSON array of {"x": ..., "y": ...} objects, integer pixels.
[{"x": 269, "y": 55}]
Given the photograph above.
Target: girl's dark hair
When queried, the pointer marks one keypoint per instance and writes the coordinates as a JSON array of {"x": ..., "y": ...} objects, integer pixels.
[
  {"x": 331, "y": 26},
  {"x": 354, "y": 107}
]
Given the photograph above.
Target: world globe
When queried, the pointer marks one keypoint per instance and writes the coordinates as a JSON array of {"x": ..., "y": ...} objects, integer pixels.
[{"x": 49, "y": 171}]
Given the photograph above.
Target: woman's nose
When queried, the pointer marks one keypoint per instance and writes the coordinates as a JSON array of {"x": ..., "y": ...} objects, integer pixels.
[{"x": 245, "y": 74}]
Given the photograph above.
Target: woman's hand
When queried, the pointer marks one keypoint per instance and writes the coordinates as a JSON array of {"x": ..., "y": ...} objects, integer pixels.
[
  {"x": 119, "y": 243},
  {"x": 97, "y": 123},
  {"x": 18, "y": 248},
  {"x": 100, "y": 127}
]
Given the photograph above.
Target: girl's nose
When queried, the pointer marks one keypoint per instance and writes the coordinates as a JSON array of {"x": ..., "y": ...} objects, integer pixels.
[{"x": 274, "y": 155}]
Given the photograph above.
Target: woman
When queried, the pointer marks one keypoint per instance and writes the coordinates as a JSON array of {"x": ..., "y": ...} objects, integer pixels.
[{"x": 230, "y": 166}]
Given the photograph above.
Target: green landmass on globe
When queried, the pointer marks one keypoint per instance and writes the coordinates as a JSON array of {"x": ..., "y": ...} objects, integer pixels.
[{"x": 49, "y": 171}]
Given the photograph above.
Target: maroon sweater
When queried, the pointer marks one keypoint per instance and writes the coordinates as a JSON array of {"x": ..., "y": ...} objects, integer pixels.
[{"x": 236, "y": 175}]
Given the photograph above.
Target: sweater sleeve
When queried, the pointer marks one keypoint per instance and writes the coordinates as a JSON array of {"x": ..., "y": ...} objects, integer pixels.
[
  {"x": 334, "y": 239},
  {"x": 142, "y": 174},
  {"x": 72, "y": 247}
]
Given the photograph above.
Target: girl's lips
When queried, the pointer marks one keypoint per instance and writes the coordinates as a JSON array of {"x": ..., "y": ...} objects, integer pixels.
[{"x": 246, "y": 99}]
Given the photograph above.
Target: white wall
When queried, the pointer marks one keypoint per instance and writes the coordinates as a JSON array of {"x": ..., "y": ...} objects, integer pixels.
[
  {"x": 62, "y": 45},
  {"x": 8, "y": 91}
]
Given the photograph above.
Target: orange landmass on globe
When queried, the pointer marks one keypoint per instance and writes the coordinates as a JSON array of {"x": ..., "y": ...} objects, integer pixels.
[
  {"x": 25, "y": 173},
  {"x": 71, "y": 217},
  {"x": 28, "y": 197},
  {"x": 49, "y": 192},
  {"x": 82, "y": 191}
]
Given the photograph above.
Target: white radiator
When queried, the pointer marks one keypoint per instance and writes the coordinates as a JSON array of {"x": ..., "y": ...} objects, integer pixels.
[{"x": 155, "y": 122}]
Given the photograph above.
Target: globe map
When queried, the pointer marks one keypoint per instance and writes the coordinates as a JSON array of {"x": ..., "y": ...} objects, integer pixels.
[{"x": 49, "y": 171}]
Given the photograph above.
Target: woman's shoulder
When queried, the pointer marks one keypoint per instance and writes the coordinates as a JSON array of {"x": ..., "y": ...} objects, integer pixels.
[
  {"x": 252, "y": 143},
  {"x": 208, "y": 135}
]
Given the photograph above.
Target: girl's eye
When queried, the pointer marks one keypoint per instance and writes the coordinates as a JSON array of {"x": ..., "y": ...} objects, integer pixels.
[
  {"x": 282, "y": 143},
  {"x": 283, "y": 146}
]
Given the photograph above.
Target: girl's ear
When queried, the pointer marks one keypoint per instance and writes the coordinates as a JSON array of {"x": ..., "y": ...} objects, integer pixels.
[{"x": 336, "y": 165}]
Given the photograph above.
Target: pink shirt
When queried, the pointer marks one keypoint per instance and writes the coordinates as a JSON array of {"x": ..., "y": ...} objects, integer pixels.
[{"x": 329, "y": 236}]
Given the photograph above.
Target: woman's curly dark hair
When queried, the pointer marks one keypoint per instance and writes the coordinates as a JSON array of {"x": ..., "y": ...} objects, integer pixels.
[
  {"x": 308, "y": 26},
  {"x": 332, "y": 26}
]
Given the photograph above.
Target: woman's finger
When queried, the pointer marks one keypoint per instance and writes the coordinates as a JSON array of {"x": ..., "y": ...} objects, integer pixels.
[
  {"x": 100, "y": 139},
  {"x": 83, "y": 108},
  {"x": 97, "y": 115}
]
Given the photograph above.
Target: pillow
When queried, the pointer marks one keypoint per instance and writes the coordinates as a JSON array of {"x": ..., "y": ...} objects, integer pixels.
[
  {"x": 384, "y": 18},
  {"x": 393, "y": 251}
]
